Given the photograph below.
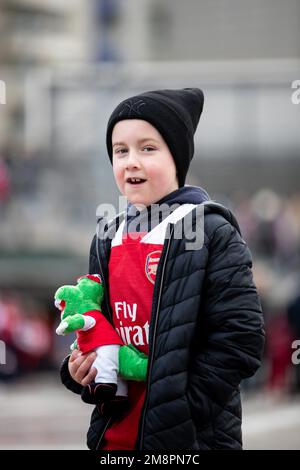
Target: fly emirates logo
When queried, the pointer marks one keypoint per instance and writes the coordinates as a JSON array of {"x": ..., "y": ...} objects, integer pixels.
[{"x": 127, "y": 329}]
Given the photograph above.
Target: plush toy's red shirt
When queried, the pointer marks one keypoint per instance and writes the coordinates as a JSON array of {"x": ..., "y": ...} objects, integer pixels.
[{"x": 101, "y": 334}]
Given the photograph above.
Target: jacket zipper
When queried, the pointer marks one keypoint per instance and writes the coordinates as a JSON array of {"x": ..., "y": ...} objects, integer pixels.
[
  {"x": 103, "y": 432},
  {"x": 103, "y": 280},
  {"x": 153, "y": 342}
]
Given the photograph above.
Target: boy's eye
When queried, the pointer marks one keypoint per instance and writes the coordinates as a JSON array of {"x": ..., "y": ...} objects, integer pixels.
[{"x": 121, "y": 150}]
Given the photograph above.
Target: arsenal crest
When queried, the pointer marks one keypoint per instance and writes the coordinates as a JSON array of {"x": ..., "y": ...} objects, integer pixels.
[{"x": 151, "y": 265}]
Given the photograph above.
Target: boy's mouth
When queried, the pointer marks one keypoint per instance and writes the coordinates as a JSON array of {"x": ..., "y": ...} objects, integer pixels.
[{"x": 135, "y": 180}]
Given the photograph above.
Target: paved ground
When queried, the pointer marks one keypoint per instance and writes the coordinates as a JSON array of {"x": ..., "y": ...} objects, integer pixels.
[
  {"x": 38, "y": 413},
  {"x": 271, "y": 423}
]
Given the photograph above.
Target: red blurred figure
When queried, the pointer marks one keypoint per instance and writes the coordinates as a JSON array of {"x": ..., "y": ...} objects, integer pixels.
[
  {"x": 5, "y": 183},
  {"x": 26, "y": 334},
  {"x": 278, "y": 351}
]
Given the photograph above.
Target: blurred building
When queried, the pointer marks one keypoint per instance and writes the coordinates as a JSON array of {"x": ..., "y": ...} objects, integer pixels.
[
  {"x": 209, "y": 30},
  {"x": 67, "y": 64},
  {"x": 35, "y": 36},
  {"x": 35, "y": 33}
]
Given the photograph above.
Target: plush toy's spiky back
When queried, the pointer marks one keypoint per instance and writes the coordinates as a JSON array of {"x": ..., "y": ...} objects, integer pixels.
[{"x": 91, "y": 288}]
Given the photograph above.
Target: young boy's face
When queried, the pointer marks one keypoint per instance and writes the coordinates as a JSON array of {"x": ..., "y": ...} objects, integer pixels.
[{"x": 139, "y": 151}]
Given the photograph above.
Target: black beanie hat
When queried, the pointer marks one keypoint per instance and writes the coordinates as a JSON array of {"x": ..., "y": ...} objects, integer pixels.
[{"x": 174, "y": 113}]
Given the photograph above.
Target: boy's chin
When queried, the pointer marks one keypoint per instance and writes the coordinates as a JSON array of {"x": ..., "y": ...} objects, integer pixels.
[
  {"x": 142, "y": 202},
  {"x": 139, "y": 204},
  {"x": 139, "y": 200}
]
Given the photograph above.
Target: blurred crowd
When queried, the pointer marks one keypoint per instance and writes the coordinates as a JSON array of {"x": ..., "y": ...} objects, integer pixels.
[{"x": 271, "y": 226}]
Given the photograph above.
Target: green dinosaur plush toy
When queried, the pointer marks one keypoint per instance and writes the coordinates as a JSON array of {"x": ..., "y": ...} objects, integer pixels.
[
  {"x": 75, "y": 301},
  {"x": 80, "y": 308}
]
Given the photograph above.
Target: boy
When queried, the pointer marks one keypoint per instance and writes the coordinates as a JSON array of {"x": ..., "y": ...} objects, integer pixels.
[{"x": 194, "y": 312}]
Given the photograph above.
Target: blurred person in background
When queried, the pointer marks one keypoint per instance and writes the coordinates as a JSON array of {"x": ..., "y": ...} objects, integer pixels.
[
  {"x": 27, "y": 333},
  {"x": 5, "y": 186},
  {"x": 270, "y": 222},
  {"x": 293, "y": 313}
]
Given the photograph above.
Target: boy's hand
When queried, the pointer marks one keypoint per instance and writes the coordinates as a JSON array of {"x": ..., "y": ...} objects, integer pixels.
[
  {"x": 133, "y": 364},
  {"x": 70, "y": 324},
  {"x": 80, "y": 367}
]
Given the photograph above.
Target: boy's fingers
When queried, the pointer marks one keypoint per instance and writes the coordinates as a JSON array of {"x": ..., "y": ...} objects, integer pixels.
[
  {"x": 74, "y": 355},
  {"x": 88, "y": 378},
  {"x": 84, "y": 363},
  {"x": 87, "y": 360}
]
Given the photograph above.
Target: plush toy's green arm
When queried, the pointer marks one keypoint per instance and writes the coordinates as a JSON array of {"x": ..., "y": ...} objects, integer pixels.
[
  {"x": 70, "y": 324},
  {"x": 132, "y": 363},
  {"x": 74, "y": 345}
]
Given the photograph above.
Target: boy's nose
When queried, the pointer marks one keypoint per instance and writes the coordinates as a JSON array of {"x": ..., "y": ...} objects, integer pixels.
[{"x": 132, "y": 160}]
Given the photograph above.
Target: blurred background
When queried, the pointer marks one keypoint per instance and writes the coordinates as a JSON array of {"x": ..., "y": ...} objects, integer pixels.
[{"x": 64, "y": 65}]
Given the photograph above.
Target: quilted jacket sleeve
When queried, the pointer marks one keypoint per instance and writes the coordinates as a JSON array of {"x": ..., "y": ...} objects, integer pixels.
[
  {"x": 66, "y": 378},
  {"x": 232, "y": 328}
]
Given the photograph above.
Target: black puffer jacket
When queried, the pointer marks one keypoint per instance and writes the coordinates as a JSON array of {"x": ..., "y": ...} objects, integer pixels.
[{"x": 206, "y": 335}]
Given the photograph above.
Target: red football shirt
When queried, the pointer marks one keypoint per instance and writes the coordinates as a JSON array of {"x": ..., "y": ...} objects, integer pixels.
[{"x": 132, "y": 271}]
